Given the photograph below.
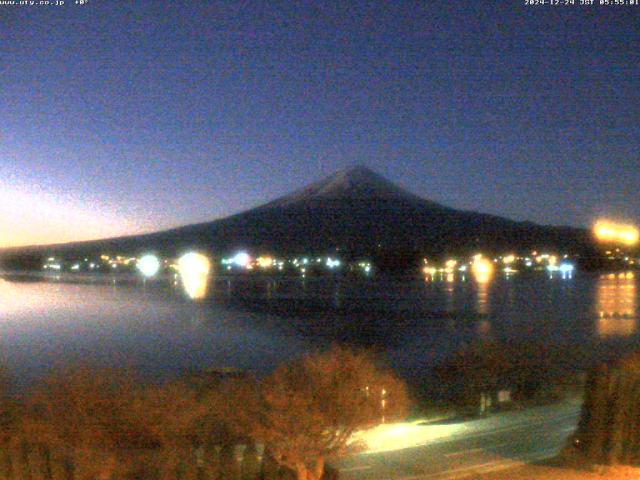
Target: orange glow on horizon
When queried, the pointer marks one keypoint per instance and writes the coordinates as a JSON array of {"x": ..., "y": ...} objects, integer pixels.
[{"x": 32, "y": 216}]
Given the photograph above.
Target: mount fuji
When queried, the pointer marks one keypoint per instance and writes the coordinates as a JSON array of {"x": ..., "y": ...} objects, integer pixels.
[{"x": 355, "y": 212}]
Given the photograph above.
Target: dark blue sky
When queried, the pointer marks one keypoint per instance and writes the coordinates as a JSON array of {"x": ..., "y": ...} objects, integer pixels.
[{"x": 119, "y": 117}]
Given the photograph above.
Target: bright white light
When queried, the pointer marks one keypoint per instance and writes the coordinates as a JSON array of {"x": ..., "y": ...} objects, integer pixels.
[
  {"x": 194, "y": 273},
  {"x": 398, "y": 436},
  {"x": 331, "y": 263},
  {"x": 241, "y": 259},
  {"x": 566, "y": 268},
  {"x": 149, "y": 265}
]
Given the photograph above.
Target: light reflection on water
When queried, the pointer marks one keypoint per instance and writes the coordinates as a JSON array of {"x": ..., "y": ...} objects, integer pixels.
[
  {"x": 151, "y": 328},
  {"x": 483, "y": 299},
  {"x": 616, "y": 305},
  {"x": 156, "y": 328}
]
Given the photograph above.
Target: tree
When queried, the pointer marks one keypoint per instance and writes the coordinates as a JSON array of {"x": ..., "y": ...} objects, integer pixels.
[
  {"x": 307, "y": 411},
  {"x": 100, "y": 424},
  {"x": 475, "y": 370},
  {"x": 609, "y": 428},
  {"x": 172, "y": 418},
  {"x": 81, "y": 419}
]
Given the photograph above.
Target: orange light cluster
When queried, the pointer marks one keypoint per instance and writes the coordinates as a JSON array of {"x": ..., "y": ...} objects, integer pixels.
[
  {"x": 482, "y": 269},
  {"x": 610, "y": 232},
  {"x": 265, "y": 262}
]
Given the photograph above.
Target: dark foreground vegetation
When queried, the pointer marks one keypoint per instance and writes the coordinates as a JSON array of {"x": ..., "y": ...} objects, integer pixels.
[
  {"x": 609, "y": 429},
  {"x": 87, "y": 424},
  {"x": 486, "y": 375}
]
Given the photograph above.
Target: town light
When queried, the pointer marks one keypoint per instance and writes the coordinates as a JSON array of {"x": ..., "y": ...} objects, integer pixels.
[
  {"x": 194, "y": 273},
  {"x": 482, "y": 269},
  {"x": 430, "y": 270},
  {"x": 264, "y": 262},
  {"x": 509, "y": 259},
  {"x": 241, "y": 259},
  {"x": 332, "y": 263},
  {"x": 610, "y": 232},
  {"x": 148, "y": 265},
  {"x": 566, "y": 267}
]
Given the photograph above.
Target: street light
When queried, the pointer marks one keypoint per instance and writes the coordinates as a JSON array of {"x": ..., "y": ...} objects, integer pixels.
[{"x": 148, "y": 265}]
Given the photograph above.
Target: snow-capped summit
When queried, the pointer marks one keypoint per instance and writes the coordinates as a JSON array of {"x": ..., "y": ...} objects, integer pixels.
[{"x": 357, "y": 182}]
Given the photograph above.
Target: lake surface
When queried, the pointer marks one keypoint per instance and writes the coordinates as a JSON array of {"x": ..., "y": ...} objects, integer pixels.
[{"x": 255, "y": 323}]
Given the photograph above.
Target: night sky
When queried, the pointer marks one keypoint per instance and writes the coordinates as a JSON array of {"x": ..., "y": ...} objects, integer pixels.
[{"x": 128, "y": 116}]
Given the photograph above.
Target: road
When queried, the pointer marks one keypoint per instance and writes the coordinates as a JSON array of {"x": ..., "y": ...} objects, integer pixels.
[{"x": 451, "y": 450}]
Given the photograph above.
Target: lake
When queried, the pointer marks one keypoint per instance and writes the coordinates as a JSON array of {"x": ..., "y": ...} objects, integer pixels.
[{"x": 256, "y": 322}]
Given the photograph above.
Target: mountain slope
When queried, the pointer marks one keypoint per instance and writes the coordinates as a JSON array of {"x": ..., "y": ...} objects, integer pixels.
[{"x": 356, "y": 212}]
